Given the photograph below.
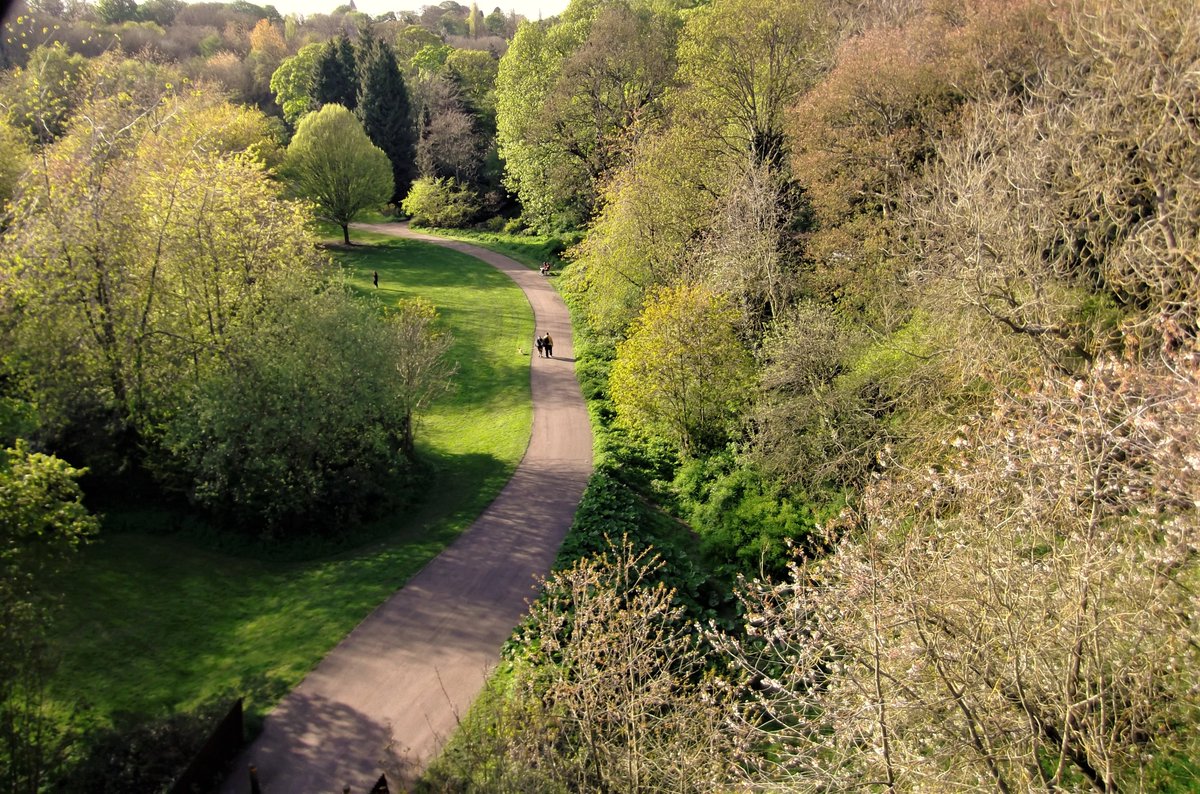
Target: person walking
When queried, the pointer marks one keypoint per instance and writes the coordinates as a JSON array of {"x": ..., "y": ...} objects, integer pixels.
[
  {"x": 375, "y": 278},
  {"x": 548, "y": 343},
  {"x": 541, "y": 343}
]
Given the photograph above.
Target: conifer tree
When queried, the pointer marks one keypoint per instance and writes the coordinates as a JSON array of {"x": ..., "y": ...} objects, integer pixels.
[
  {"x": 383, "y": 108},
  {"x": 336, "y": 81}
]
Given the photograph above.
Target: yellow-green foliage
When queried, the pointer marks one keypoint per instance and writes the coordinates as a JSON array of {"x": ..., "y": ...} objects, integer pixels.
[
  {"x": 652, "y": 208},
  {"x": 682, "y": 373}
]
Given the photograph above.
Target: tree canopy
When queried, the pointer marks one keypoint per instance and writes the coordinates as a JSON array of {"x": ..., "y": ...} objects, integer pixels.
[
  {"x": 332, "y": 162},
  {"x": 383, "y": 108},
  {"x": 682, "y": 370}
]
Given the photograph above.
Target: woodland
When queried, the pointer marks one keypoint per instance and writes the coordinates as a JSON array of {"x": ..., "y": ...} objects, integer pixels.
[{"x": 885, "y": 310}]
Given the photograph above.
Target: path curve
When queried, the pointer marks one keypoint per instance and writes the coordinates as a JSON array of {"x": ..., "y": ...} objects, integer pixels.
[{"x": 389, "y": 696}]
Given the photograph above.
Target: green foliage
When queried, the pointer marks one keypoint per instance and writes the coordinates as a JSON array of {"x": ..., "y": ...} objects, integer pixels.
[
  {"x": 42, "y": 96},
  {"x": 336, "y": 76},
  {"x": 682, "y": 373},
  {"x": 744, "y": 519},
  {"x": 42, "y": 524},
  {"x": 383, "y": 108},
  {"x": 652, "y": 209},
  {"x": 568, "y": 92},
  {"x": 332, "y": 162},
  {"x": 609, "y": 510},
  {"x": 743, "y": 64},
  {"x": 294, "y": 82},
  {"x": 440, "y": 202},
  {"x": 430, "y": 58},
  {"x": 335, "y": 454},
  {"x": 14, "y": 159},
  {"x": 474, "y": 72},
  {"x": 184, "y": 238},
  {"x": 523, "y": 82},
  {"x": 116, "y": 11},
  {"x": 143, "y": 754}
]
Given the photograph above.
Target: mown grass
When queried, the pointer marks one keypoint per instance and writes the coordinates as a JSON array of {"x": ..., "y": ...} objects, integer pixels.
[
  {"x": 528, "y": 249},
  {"x": 159, "y": 616}
]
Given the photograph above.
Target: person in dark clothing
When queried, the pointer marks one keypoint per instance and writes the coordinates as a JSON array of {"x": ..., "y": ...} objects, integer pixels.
[
  {"x": 375, "y": 278},
  {"x": 548, "y": 343}
]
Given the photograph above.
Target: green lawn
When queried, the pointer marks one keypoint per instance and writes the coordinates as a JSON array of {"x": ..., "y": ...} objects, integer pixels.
[
  {"x": 528, "y": 249},
  {"x": 158, "y": 620}
]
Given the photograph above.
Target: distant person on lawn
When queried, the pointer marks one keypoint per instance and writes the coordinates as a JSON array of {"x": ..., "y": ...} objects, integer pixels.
[
  {"x": 375, "y": 278},
  {"x": 548, "y": 343}
]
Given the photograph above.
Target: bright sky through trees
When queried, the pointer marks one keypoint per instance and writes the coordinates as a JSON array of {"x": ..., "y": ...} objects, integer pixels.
[{"x": 530, "y": 9}]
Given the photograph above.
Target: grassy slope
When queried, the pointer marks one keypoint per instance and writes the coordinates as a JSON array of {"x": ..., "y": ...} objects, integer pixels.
[{"x": 154, "y": 622}]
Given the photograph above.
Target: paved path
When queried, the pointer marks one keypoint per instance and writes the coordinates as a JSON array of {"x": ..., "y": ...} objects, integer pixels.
[{"x": 389, "y": 695}]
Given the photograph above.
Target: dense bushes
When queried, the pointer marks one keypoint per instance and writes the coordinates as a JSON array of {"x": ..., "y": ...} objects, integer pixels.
[
  {"x": 170, "y": 316},
  {"x": 42, "y": 523},
  {"x": 303, "y": 428},
  {"x": 976, "y": 344},
  {"x": 142, "y": 754},
  {"x": 440, "y": 202}
]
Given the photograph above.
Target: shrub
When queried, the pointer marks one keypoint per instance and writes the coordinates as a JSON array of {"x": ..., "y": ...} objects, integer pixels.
[{"x": 440, "y": 202}]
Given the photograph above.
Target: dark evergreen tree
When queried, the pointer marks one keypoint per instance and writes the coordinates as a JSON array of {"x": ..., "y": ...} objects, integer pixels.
[
  {"x": 336, "y": 76},
  {"x": 383, "y": 108}
]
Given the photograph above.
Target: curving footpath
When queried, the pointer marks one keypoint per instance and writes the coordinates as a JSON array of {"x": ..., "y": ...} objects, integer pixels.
[{"x": 389, "y": 696}]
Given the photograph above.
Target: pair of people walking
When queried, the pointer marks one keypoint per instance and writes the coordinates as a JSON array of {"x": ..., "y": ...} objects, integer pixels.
[{"x": 545, "y": 346}]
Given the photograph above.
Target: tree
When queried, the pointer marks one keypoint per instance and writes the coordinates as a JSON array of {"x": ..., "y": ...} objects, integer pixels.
[
  {"x": 353, "y": 382},
  {"x": 568, "y": 95},
  {"x": 267, "y": 50},
  {"x": 14, "y": 159},
  {"x": 294, "y": 82},
  {"x": 496, "y": 22},
  {"x": 682, "y": 373},
  {"x": 652, "y": 211},
  {"x": 117, "y": 11},
  {"x": 474, "y": 72},
  {"x": 743, "y": 63},
  {"x": 42, "y": 523},
  {"x": 336, "y": 80},
  {"x": 422, "y": 368},
  {"x": 474, "y": 20},
  {"x": 412, "y": 40},
  {"x": 42, "y": 95},
  {"x": 332, "y": 162},
  {"x": 450, "y": 143},
  {"x": 383, "y": 108},
  {"x": 139, "y": 243}
]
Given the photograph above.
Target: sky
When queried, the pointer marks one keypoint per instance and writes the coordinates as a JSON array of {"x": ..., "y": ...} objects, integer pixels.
[{"x": 530, "y": 9}]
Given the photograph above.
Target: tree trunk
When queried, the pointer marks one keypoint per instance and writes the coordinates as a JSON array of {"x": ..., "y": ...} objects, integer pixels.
[{"x": 346, "y": 233}]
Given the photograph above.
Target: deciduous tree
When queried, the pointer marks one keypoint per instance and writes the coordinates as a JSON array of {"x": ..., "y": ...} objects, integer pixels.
[
  {"x": 568, "y": 95},
  {"x": 332, "y": 162},
  {"x": 294, "y": 83},
  {"x": 42, "y": 523},
  {"x": 682, "y": 373},
  {"x": 744, "y": 62}
]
